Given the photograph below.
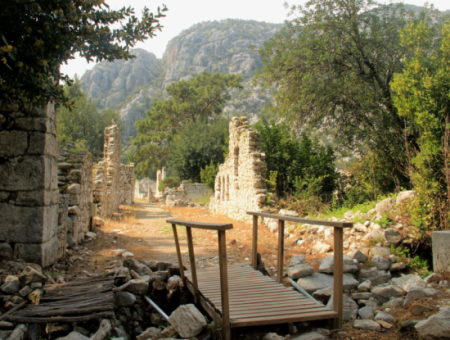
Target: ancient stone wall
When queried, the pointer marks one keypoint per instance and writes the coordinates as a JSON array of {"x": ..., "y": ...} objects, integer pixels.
[
  {"x": 144, "y": 188},
  {"x": 240, "y": 184},
  {"x": 160, "y": 176},
  {"x": 186, "y": 193},
  {"x": 29, "y": 196},
  {"x": 75, "y": 181},
  {"x": 113, "y": 182}
]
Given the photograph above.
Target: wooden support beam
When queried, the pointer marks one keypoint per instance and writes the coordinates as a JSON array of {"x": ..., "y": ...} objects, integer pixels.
[
  {"x": 180, "y": 259},
  {"x": 338, "y": 270},
  {"x": 280, "y": 251},
  {"x": 255, "y": 243},
  {"x": 224, "y": 285},
  {"x": 192, "y": 262}
]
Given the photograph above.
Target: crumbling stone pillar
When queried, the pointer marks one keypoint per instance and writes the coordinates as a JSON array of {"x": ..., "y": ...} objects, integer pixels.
[
  {"x": 441, "y": 250},
  {"x": 240, "y": 184},
  {"x": 29, "y": 196},
  {"x": 160, "y": 176}
]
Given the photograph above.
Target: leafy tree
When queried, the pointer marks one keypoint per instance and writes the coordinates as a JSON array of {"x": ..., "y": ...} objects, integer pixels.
[
  {"x": 293, "y": 161},
  {"x": 197, "y": 145},
  {"x": 37, "y": 36},
  {"x": 208, "y": 174},
  {"x": 332, "y": 66},
  {"x": 83, "y": 121},
  {"x": 170, "y": 182},
  {"x": 201, "y": 98},
  {"x": 422, "y": 95}
]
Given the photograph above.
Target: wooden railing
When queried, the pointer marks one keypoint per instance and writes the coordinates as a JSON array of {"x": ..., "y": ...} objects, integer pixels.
[
  {"x": 338, "y": 268},
  {"x": 221, "y": 228}
]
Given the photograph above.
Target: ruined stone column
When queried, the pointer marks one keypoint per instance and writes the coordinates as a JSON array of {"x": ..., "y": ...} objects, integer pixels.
[{"x": 29, "y": 196}]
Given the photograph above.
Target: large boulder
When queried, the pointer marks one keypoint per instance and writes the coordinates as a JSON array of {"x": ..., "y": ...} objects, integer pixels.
[
  {"x": 327, "y": 265},
  {"x": 383, "y": 294},
  {"x": 318, "y": 281},
  {"x": 382, "y": 251},
  {"x": 385, "y": 205},
  {"x": 300, "y": 270},
  {"x": 436, "y": 327},
  {"x": 350, "y": 307},
  {"x": 381, "y": 262},
  {"x": 391, "y": 236},
  {"x": 375, "y": 275},
  {"x": 409, "y": 282},
  {"x": 187, "y": 321},
  {"x": 403, "y": 196}
]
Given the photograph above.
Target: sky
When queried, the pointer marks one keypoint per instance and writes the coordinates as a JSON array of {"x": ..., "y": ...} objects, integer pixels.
[{"x": 183, "y": 14}]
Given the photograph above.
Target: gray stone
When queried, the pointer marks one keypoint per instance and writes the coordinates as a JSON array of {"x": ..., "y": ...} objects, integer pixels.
[
  {"x": 44, "y": 254},
  {"x": 13, "y": 143},
  {"x": 187, "y": 321},
  {"x": 82, "y": 330},
  {"x": 441, "y": 250},
  {"x": 381, "y": 262},
  {"x": 74, "y": 188},
  {"x": 297, "y": 259},
  {"x": 137, "y": 266},
  {"x": 367, "y": 325},
  {"x": 350, "y": 307},
  {"x": 380, "y": 251},
  {"x": 71, "y": 242},
  {"x": 273, "y": 336},
  {"x": 318, "y": 281},
  {"x": 403, "y": 196},
  {"x": 31, "y": 275},
  {"x": 74, "y": 210},
  {"x": 384, "y": 317},
  {"x": 349, "y": 266},
  {"x": 409, "y": 282},
  {"x": 395, "y": 267},
  {"x": 74, "y": 336},
  {"x": 6, "y": 252},
  {"x": 138, "y": 286},
  {"x": 385, "y": 205},
  {"x": 365, "y": 286},
  {"x": 124, "y": 299},
  {"x": 372, "y": 302},
  {"x": 5, "y": 334},
  {"x": 366, "y": 313},
  {"x": 395, "y": 302},
  {"x": 34, "y": 332},
  {"x": 25, "y": 291},
  {"x": 323, "y": 295},
  {"x": 18, "y": 332},
  {"x": 421, "y": 293},
  {"x": 392, "y": 236},
  {"x": 383, "y": 294},
  {"x": 300, "y": 270},
  {"x": 13, "y": 268},
  {"x": 361, "y": 296},
  {"x": 11, "y": 285},
  {"x": 358, "y": 255},
  {"x": 309, "y": 336},
  {"x": 375, "y": 275},
  {"x": 436, "y": 327}
]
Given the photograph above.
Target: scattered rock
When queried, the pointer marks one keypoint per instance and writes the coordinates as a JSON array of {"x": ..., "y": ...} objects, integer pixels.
[
  {"x": 124, "y": 299},
  {"x": 365, "y": 286},
  {"x": 323, "y": 295},
  {"x": 375, "y": 275},
  {"x": 74, "y": 336},
  {"x": 361, "y": 296},
  {"x": 297, "y": 259},
  {"x": 350, "y": 307},
  {"x": 418, "y": 309},
  {"x": 300, "y": 270},
  {"x": 318, "y": 281},
  {"x": 310, "y": 336},
  {"x": 385, "y": 205},
  {"x": 381, "y": 262},
  {"x": 421, "y": 293},
  {"x": 31, "y": 275},
  {"x": 385, "y": 324},
  {"x": 358, "y": 255},
  {"x": 380, "y": 251},
  {"x": 366, "y": 312},
  {"x": 403, "y": 196},
  {"x": 435, "y": 327},
  {"x": 321, "y": 247},
  {"x": 395, "y": 267},
  {"x": 19, "y": 332},
  {"x": 11, "y": 285},
  {"x": 137, "y": 266},
  {"x": 383, "y": 294},
  {"x": 187, "y": 321},
  {"x": 273, "y": 336},
  {"x": 367, "y": 325},
  {"x": 392, "y": 236},
  {"x": 149, "y": 333},
  {"x": 384, "y": 317}
]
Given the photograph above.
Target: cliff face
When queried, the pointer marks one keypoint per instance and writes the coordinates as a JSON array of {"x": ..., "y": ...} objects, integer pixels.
[{"x": 229, "y": 46}]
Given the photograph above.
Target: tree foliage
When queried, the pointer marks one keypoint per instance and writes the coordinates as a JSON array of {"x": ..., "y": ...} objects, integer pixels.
[
  {"x": 332, "y": 66},
  {"x": 295, "y": 160},
  {"x": 37, "y": 36},
  {"x": 199, "y": 99},
  {"x": 196, "y": 145},
  {"x": 208, "y": 174},
  {"x": 83, "y": 121},
  {"x": 422, "y": 96}
]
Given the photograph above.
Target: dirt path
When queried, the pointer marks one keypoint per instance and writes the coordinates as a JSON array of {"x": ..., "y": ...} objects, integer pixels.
[{"x": 144, "y": 232}]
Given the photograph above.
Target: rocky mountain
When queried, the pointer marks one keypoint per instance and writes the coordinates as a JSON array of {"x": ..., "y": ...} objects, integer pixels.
[{"x": 228, "y": 46}]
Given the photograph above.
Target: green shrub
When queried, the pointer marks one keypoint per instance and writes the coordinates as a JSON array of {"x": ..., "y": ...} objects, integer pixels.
[
  {"x": 208, "y": 174},
  {"x": 171, "y": 182}
]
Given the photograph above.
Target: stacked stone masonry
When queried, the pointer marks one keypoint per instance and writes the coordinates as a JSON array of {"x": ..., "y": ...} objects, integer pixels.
[
  {"x": 144, "y": 188},
  {"x": 29, "y": 196},
  {"x": 113, "y": 182},
  {"x": 75, "y": 182},
  {"x": 186, "y": 193},
  {"x": 240, "y": 184}
]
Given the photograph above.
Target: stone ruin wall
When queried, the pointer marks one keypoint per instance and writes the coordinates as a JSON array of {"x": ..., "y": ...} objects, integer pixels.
[
  {"x": 29, "y": 196},
  {"x": 75, "y": 182},
  {"x": 186, "y": 193},
  {"x": 113, "y": 182},
  {"x": 160, "y": 176},
  {"x": 240, "y": 184},
  {"x": 144, "y": 188}
]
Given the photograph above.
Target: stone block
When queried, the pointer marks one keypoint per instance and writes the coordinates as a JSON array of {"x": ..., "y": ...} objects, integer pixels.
[
  {"x": 6, "y": 252},
  {"x": 44, "y": 144},
  {"x": 37, "y": 197},
  {"x": 385, "y": 205},
  {"x": 29, "y": 173},
  {"x": 44, "y": 254},
  {"x": 441, "y": 250},
  {"x": 28, "y": 224},
  {"x": 13, "y": 143}
]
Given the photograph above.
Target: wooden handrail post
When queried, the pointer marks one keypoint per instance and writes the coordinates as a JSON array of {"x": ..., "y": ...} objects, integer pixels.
[
  {"x": 255, "y": 243},
  {"x": 280, "y": 250},
  {"x": 224, "y": 285},
  {"x": 192, "y": 262},
  {"x": 180, "y": 259},
  {"x": 338, "y": 269}
]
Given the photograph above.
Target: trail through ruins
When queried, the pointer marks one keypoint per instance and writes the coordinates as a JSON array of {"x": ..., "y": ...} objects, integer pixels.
[{"x": 143, "y": 232}]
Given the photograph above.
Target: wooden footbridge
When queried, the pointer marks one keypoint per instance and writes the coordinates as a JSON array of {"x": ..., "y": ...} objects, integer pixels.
[{"x": 242, "y": 296}]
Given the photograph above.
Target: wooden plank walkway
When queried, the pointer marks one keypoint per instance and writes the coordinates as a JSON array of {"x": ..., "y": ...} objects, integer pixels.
[{"x": 255, "y": 299}]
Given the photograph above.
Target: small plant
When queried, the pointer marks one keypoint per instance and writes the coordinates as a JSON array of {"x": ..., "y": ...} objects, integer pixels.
[
  {"x": 385, "y": 221},
  {"x": 419, "y": 264},
  {"x": 402, "y": 253},
  {"x": 171, "y": 182}
]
